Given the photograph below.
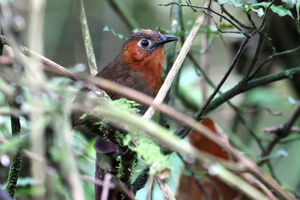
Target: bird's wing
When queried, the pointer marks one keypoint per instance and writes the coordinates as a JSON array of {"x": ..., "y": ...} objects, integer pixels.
[{"x": 125, "y": 76}]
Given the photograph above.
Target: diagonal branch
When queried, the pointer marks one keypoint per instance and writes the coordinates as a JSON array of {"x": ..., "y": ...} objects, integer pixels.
[
  {"x": 86, "y": 38},
  {"x": 271, "y": 57},
  {"x": 281, "y": 132},
  {"x": 176, "y": 66},
  {"x": 242, "y": 87},
  {"x": 235, "y": 60}
]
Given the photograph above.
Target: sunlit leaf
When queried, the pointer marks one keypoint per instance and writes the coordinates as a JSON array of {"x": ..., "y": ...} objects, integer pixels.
[
  {"x": 281, "y": 11},
  {"x": 298, "y": 9},
  {"x": 83, "y": 116},
  {"x": 289, "y": 3},
  {"x": 224, "y": 26},
  {"x": 293, "y": 101},
  {"x": 278, "y": 154},
  {"x": 260, "y": 12},
  {"x": 120, "y": 36},
  {"x": 235, "y": 3},
  {"x": 27, "y": 181}
]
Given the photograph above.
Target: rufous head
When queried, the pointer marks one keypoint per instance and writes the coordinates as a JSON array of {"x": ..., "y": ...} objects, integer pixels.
[
  {"x": 145, "y": 44},
  {"x": 143, "y": 52}
]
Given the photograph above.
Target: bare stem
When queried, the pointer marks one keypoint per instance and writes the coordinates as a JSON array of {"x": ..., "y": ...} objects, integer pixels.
[
  {"x": 36, "y": 79},
  {"x": 176, "y": 66},
  {"x": 281, "y": 132},
  {"x": 87, "y": 38}
]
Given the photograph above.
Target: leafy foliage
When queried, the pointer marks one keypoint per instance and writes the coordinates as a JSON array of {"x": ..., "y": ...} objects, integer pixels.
[
  {"x": 248, "y": 6},
  {"x": 118, "y": 35},
  {"x": 58, "y": 93}
]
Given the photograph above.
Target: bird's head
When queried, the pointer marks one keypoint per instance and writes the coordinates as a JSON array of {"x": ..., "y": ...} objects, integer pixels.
[
  {"x": 143, "y": 52},
  {"x": 145, "y": 46}
]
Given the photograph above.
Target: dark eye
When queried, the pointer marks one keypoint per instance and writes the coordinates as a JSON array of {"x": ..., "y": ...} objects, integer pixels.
[{"x": 144, "y": 43}]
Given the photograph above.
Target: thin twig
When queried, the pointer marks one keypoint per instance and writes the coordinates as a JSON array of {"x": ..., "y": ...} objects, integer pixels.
[
  {"x": 234, "y": 180},
  {"x": 176, "y": 66},
  {"x": 52, "y": 67},
  {"x": 204, "y": 59},
  {"x": 68, "y": 163},
  {"x": 87, "y": 38},
  {"x": 251, "y": 20},
  {"x": 208, "y": 9},
  {"x": 282, "y": 132},
  {"x": 234, "y": 19},
  {"x": 36, "y": 79},
  {"x": 235, "y": 60},
  {"x": 150, "y": 187},
  {"x": 112, "y": 184},
  {"x": 240, "y": 88},
  {"x": 170, "y": 57},
  {"x": 167, "y": 194},
  {"x": 290, "y": 51},
  {"x": 106, "y": 187},
  {"x": 255, "y": 57}
]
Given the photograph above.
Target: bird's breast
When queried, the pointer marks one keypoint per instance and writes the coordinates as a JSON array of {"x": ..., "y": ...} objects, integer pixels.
[{"x": 149, "y": 65}]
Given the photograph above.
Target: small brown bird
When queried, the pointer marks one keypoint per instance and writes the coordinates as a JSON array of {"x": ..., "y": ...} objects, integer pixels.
[{"x": 138, "y": 66}]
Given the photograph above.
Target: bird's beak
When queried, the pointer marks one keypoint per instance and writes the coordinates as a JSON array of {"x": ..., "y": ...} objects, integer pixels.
[{"x": 165, "y": 39}]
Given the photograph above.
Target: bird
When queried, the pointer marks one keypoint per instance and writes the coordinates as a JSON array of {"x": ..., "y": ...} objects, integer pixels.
[{"x": 137, "y": 66}]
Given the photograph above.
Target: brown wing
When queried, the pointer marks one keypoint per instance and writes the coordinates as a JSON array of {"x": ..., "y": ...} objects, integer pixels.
[{"x": 124, "y": 75}]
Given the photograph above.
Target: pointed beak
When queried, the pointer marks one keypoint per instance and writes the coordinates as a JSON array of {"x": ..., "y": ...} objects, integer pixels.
[{"x": 165, "y": 39}]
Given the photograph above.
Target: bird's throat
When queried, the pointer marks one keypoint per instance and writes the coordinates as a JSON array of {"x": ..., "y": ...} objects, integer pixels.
[{"x": 149, "y": 64}]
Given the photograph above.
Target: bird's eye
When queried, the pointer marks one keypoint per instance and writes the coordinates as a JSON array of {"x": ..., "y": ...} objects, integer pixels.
[{"x": 144, "y": 43}]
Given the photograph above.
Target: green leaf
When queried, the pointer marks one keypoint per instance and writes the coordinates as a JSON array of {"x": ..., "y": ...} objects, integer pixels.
[
  {"x": 289, "y": 3},
  {"x": 278, "y": 154},
  {"x": 83, "y": 116},
  {"x": 298, "y": 9},
  {"x": 293, "y": 101},
  {"x": 262, "y": 4},
  {"x": 224, "y": 26},
  {"x": 260, "y": 12},
  {"x": 235, "y": 3},
  {"x": 26, "y": 181},
  {"x": 120, "y": 36},
  {"x": 106, "y": 28},
  {"x": 281, "y": 11},
  {"x": 126, "y": 104}
]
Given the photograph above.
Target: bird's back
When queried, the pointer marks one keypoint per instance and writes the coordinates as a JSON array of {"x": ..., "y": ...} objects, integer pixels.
[{"x": 126, "y": 76}]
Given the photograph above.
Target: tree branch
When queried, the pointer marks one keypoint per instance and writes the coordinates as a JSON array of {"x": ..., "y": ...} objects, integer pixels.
[
  {"x": 235, "y": 60},
  {"x": 242, "y": 87},
  {"x": 281, "y": 132}
]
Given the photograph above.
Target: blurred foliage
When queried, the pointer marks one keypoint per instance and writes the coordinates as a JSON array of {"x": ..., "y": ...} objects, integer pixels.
[{"x": 63, "y": 44}]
